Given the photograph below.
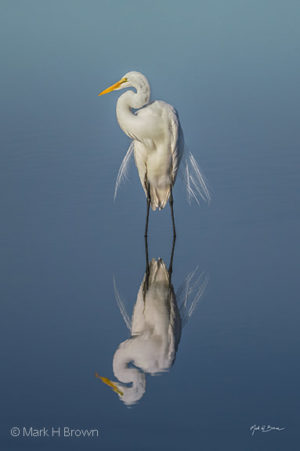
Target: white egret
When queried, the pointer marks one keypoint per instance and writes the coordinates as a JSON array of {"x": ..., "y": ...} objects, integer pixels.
[
  {"x": 155, "y": 333},
  {"x": 155, "y": 327},
  {"x": 157, "y": 143}
]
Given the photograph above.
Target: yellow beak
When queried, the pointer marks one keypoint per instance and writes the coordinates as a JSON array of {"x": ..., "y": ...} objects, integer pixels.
[
  {"x": 113, "y": 87},
  {"x": 110, "y": 384}
]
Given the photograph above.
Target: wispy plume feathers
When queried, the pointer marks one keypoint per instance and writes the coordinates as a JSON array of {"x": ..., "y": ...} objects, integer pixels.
[
  {"x": 195, "y": 182},
  {"x": 122, "y": 174},
  {"x": 190, "y": 293},
  {"x": 121, "y": 306}
]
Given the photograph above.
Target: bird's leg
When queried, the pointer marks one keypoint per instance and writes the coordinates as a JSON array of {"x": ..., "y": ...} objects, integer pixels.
[
  {"x": 172, "y": 213},
  {"x": 148, "y": 208},
  {"x": 146, "y": 284},
  {"x": 171, "y": 258}
]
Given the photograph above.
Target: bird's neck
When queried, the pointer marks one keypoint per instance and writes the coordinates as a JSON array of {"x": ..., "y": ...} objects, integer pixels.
[
  {"x": 122, "y": 357},
  {"x": 126, "y": 375},
  {"x": 128, "y": 102}
]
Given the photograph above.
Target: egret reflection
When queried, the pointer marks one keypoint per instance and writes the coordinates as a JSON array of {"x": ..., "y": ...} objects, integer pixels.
[{"x": 155, "y": 327}]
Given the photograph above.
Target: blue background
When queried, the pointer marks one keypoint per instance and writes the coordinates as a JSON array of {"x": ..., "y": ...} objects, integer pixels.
[{"x": 231, "y": 69}]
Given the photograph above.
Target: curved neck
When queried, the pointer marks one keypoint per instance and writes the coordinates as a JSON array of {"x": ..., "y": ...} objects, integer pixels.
[
  {"x": 123, "y": 356},
  {"x": 132, "y": 100}
]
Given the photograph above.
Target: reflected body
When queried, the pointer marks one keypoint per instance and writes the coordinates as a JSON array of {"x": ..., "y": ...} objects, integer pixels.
[
  {"x": 155, "y": 334},
  {"x": 157, "y": 145},
  {"x": 155, "y": 327}
]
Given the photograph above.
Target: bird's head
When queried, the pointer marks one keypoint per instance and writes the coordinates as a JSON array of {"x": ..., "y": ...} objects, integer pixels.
[{"x": 131, "y": 79}]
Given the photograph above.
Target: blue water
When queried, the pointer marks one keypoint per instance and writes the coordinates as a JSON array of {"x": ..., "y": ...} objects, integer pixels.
[{"x": 231, "y": 69}]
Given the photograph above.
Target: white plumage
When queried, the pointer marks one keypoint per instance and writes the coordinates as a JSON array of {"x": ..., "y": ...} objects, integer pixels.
[
  {"x": 155, "y": 332},
  {"x": 155, "y": 329},
  {"x": 158, "y": 143}
]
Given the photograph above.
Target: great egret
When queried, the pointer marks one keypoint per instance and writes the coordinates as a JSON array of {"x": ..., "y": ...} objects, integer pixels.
[
  {"x": 155, "y": 327},
  {"x": 155, "y": 333},
  {"x": 157, "y": 143}
]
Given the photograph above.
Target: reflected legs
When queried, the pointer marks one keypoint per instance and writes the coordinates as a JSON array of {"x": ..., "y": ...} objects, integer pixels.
[
  {"x": 172, "y": 213},
  {"x": 171, "y": 258},
  {"x": 146, "y": 284}
]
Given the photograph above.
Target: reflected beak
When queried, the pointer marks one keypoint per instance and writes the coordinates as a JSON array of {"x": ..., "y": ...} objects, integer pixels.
[
  {"x": 110, "y": 384},
  {"x": 113, "y": 87}
]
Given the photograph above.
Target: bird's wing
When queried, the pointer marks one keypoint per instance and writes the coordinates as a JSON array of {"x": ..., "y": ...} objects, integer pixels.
[
  {"x": 190, "y": 293},
  {"x": 174, "y": 330},
  {"x": 122, "y": 174},
  {"x": 140, "y": 158},
  {"x": 176, "y": 141},
  {"x": 167, "y": 116},
  {"x": 121, "y": 306},
  {"x": 195, "y": 182}
]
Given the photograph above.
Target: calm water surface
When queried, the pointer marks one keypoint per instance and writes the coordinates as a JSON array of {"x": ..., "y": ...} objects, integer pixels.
[{"x": 232, "y": 72}]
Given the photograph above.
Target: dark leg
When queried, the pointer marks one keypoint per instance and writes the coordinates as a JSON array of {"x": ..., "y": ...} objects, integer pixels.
[
  {"x": 148, "y": 208},
  {"x": 146, "y": 284},
  {"x": 172, "y": 213},
  {"x": 171, "y": 258}
]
